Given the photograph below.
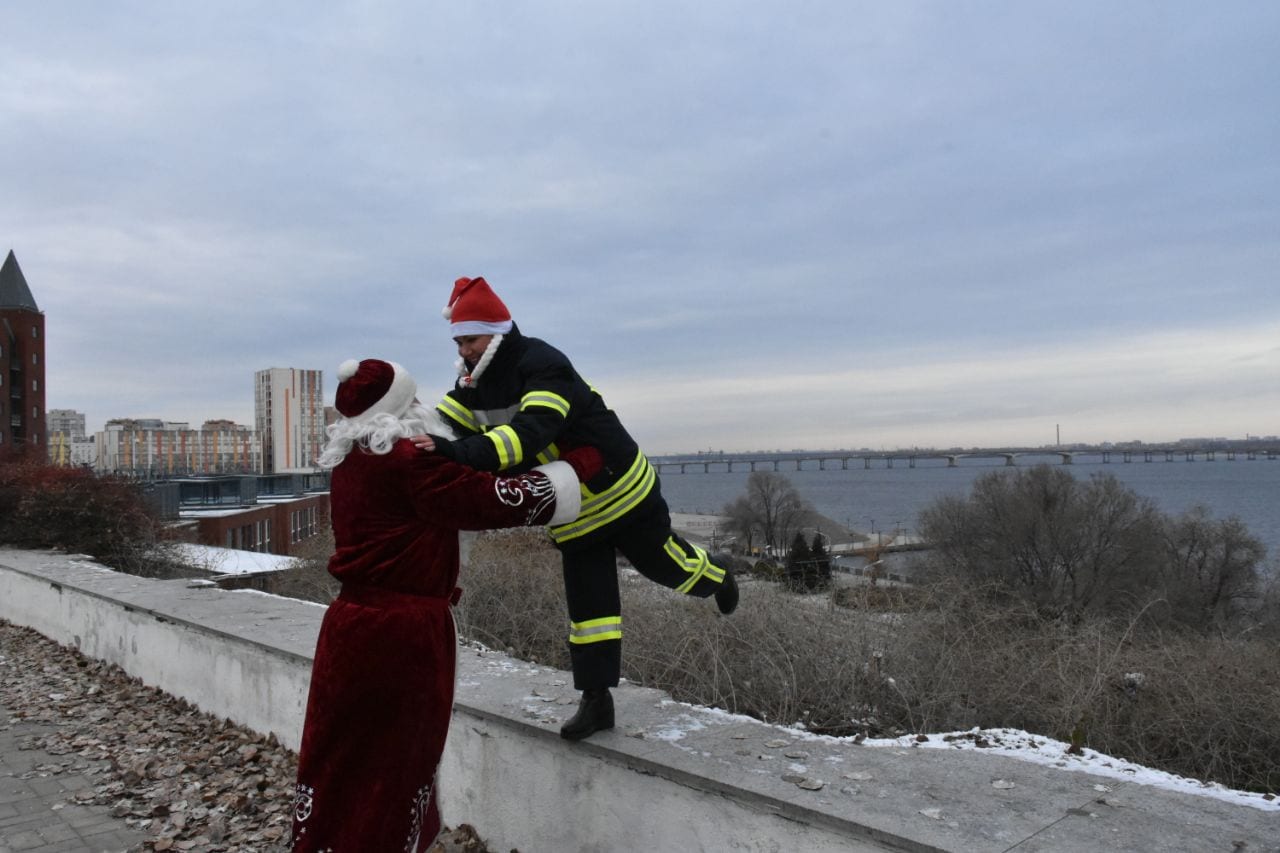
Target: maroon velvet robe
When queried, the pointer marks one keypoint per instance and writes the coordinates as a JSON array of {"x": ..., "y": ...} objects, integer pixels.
[{"x": 382, "y": 682}]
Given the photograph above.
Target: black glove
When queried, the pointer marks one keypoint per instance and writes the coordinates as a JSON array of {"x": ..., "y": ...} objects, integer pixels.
[{"x": 444, "y": 447}]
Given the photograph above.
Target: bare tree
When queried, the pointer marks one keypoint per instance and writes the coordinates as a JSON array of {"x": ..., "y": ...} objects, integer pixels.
[
  {"x": 1211, "y": 569},
  {"x": 1067, "y": 546},
  {"x": 770, "y": 508}
]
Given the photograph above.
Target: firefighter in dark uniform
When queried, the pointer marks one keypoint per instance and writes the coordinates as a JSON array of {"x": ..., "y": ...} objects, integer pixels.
[{"x": 519, "y": 402}]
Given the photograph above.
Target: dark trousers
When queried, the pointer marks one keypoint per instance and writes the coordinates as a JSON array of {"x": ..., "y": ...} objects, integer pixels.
[{"x": 645, "y": 538}]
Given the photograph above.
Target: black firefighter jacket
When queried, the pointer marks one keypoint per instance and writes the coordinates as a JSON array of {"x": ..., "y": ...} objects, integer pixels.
[{"x": 526, "y": 408}]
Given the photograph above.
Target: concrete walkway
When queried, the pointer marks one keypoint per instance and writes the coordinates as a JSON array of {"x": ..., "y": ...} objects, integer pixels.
[{"x": 38, "y": 813}]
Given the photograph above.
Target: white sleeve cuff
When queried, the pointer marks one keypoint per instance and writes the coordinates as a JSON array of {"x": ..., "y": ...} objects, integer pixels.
[{"x": 568, "y": 491}]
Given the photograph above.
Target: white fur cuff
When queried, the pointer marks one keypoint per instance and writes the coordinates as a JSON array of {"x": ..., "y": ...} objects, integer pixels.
[{"x": 568, "y": 491}]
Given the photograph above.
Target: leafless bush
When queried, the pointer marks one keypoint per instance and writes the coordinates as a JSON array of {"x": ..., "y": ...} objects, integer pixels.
[
  {"x": 882, "y": 660},
  {"x": 1205, "y": 707},
  {"x": 513, "y": 596}
]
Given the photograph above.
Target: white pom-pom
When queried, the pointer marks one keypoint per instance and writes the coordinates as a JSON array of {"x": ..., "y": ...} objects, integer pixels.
[
  {"x": 347, "y": 369},
  {"x": 447, "y": 312}
]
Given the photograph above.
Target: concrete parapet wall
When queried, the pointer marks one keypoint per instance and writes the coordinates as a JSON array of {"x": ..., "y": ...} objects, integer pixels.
[{"x": 670, "y": 777}]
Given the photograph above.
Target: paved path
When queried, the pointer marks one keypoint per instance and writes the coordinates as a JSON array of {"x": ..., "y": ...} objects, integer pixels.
[{"x": 38, "y": 812}]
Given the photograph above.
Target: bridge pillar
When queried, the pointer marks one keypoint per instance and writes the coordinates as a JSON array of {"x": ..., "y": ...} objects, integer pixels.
[
  {"x": 775, "y": 464},
  {"x": 1191, "y": 456},
  {"x": 844, "y": 464},
  {"x": 1106, "y": 457},
  {"x": 822, "y": 464},
  {"x": 798, "y": 468},
  {"x": 1231, "y": 456},
  {"x": 1128, "y": 456},
  {"x": 951, "y": 462},
  {"x": 1208, "y": 456},
  {"x": 890, "y": 461},
  {"x": 1066, "y": 458},
  {"x": 1008, "y": 460},
  {"x": 912, "y": 462},
  {"x": 681, "y": 467},
  {"x": 1168, "y": 456},
  {"x": 866, "y": 462},
  {"x": 706, "y": 467}
]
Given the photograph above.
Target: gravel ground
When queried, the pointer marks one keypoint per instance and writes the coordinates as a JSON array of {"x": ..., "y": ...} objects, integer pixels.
[{"x": 190, "y": 781}]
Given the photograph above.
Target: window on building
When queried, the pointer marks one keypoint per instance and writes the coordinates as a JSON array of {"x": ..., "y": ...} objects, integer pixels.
[
  {"x": 35, "y": 331},
  {"x": 35, "y": 384}
]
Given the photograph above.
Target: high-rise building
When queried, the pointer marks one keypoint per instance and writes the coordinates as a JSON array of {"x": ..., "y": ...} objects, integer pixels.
[
  {"x": 67, "y": 442},
  {"x": 21, "y": 361},
  {"x": 65, "y": 422},
  {"x": 289, "y": 418}
]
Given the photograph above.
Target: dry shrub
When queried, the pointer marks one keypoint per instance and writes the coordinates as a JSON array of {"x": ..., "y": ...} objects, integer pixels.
[
  {"x": 513, "y": 596},
  {"x": 781, "y": 657},
  {"x": 889, "y": 660},
  {"x": 1208, "y": 708}
]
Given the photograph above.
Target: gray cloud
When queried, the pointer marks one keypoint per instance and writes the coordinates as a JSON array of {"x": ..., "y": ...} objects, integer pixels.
[{"x": 734, "y": 198}]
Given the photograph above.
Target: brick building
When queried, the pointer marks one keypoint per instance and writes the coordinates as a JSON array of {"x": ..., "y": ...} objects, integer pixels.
[{"x": 22, "y": 388}]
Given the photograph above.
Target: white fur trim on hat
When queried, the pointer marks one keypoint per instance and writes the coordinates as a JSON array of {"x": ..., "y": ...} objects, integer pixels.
[
  {"x": 399, "y": 396},
  {"x": 395, "y": 400},
  {"x": 479, "y": 327}
]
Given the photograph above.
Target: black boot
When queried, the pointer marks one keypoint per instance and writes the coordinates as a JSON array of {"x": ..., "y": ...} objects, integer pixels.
[
  {"x": 727, "y": 594},
  {"x": 595, "y": 714}
]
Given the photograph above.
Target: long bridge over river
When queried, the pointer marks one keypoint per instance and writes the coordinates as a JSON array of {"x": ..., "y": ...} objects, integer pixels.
[{"x": 706, "y": 463}]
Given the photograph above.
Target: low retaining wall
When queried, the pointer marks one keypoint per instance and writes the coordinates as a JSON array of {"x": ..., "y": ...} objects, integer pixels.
[{"x": 670, "y": 777}]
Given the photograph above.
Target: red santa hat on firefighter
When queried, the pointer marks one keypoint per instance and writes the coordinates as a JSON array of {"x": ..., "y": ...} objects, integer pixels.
[
  {"x": 474, "y": 309},
  {"x": 372, "y": 387}
]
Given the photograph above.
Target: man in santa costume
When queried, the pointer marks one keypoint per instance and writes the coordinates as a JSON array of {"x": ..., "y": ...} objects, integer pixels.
[
  {"x": 382, "y": 682},
  {"x": 519, "y": 401}
]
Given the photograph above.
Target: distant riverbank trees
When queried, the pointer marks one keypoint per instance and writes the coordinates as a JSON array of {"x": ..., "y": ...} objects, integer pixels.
[{"x": 1070, "y": 548}]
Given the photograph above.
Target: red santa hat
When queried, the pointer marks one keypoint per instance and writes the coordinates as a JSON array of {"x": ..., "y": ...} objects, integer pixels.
[
  {"x": 371, "y": 387},
  {"x": 474, "y": 309}
]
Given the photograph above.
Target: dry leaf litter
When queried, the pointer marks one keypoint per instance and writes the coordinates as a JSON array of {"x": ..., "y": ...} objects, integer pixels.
[{"x": 190, "y": 781}]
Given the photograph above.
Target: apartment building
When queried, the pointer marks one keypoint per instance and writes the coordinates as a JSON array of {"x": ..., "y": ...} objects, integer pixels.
[
  {"x": 289, "y": 417},
  {"x": 150, "y": 448}
]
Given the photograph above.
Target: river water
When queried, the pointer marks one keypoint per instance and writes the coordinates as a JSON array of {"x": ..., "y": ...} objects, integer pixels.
[{"x": 888, "y": 499}]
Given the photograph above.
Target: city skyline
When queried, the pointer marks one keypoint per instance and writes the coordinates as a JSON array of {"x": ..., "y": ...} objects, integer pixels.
[{"x": 841, "y": 225}]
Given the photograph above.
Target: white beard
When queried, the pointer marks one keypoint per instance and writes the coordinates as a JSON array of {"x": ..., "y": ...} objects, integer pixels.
[{"x": 379, "y": 433}]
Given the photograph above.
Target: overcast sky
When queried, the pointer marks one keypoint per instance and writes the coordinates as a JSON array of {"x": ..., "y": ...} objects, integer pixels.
[{"x": 751, "y": 225}]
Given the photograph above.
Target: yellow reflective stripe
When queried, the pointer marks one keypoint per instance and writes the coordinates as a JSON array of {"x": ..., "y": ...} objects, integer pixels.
[
  {"x": 507, "y": 443},
  {"x": 611, "y": 504},
  {"x": 596, "y": 630},
  {"x": 697, "y": 566},
  {"x": 551, "y": 454},
  {"x": 551, "y": 401},
  {"x": 634, "y": 477},
  {"x": 455, "y": 411}
]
